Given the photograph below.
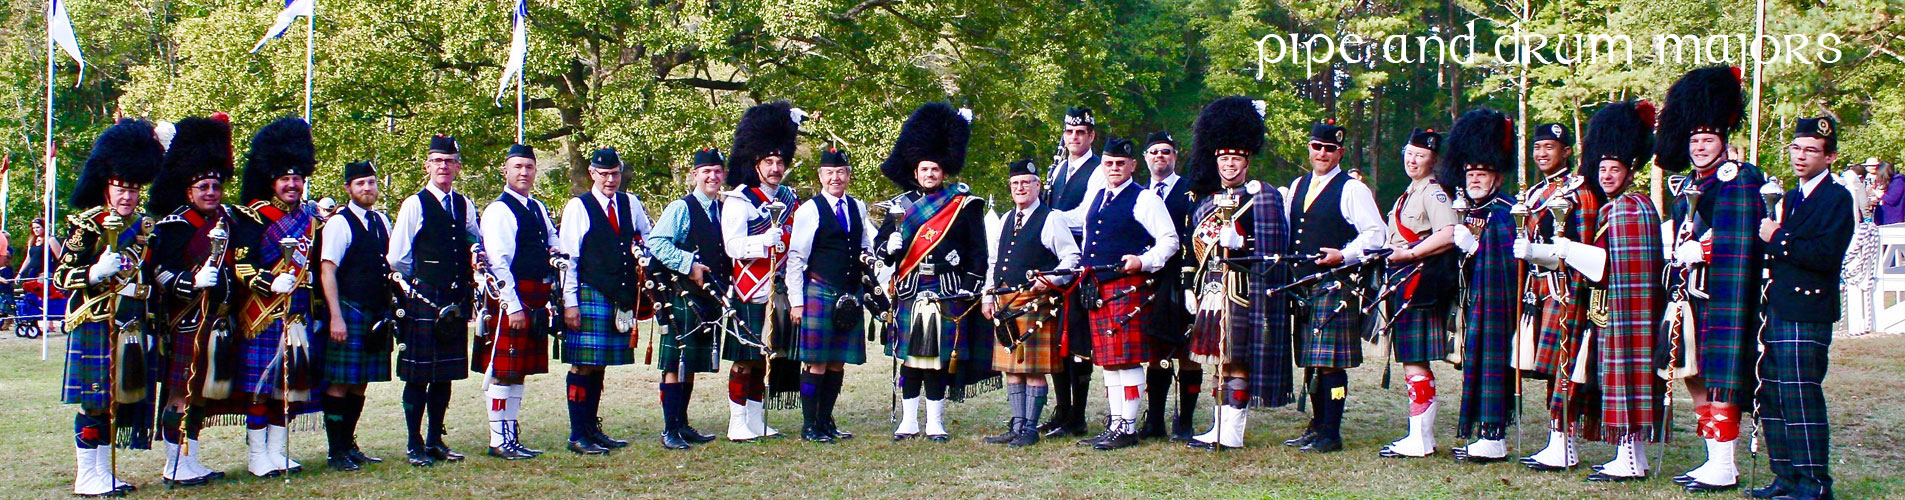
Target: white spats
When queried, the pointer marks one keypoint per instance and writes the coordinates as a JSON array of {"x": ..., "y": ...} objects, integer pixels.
[
  {"x": 258, "y": 455},
  {"x": 909, "y": 419},
  {"x": 87, "y": 480},
  {"x": 276, "y": 435},
  {"x": 1720, "y": 469},
  {"x": 739, "y": 427},
  {"x": 1421, "y": 439},
  {"x": 498, "y": 398},
  {"x": 935, "y": 417},
  {"x": 1560, "y": 452},
  {"x": 1487, "y": 449},
  {"x": 1233, "y": 419}
]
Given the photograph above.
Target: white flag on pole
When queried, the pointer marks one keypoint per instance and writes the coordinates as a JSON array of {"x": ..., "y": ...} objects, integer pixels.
[
  {"x": 292, "y": 9},
  {"x": 59, "y": 28},
  {"x": 518, "y": 49}
]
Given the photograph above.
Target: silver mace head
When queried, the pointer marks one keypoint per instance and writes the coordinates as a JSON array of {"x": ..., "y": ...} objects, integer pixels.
[
  {"x": 1558, "y": 211},
  {"x": 774, "y": 211},
  {"x": 1461, "y": 207},
  {"x": 1771, "y": 192}
]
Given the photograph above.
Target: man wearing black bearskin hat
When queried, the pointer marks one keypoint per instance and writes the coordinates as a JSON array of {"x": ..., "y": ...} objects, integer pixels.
[
  {"x": 1073, "y": 179},
  {"x": 355, "y": 277},
  {"x": 600, "y": 292},
  {"x": 754, "y": 220},
  {"x": 271, "y": 244},
  {"x": 1472, "y": 169},
  {"x": 1420, "y": 227},
  {"x": 432, "y": 249},
  {"x": 935, "y": 239},
  {"x": 1030, "y": 312},
  {"x": 1804, "y": 243},
  {"x": 193, "y": 269},
  {"x": 1170, "y": 317},
  {"x": 1562, "y": 206},
  {"x": 1716, "y": 254},
  {"x": 827, "y": 274},
  {"x": 107, "y": 349},
  {"x": 1336, "y": 216},
  {"x": 518, "y": 239},
  {"x": 688, "y": 241},
  {"x": 1238, "y": 329}
]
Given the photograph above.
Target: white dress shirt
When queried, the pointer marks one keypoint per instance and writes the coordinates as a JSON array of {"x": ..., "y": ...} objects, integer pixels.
[
  {"x": 1055, "y": 237},
  {"x": 1150, "y": 212},
  {"x": 737, "y": 210},
  {"x": 1358, "y": 207},
  {"x": 403, "y": 233},
  {"x": 499, "y": 240},
  {"x": 337, "y": 232},
  {"x": 575, "y": 223},
  {"x": 806, "y": 221}
]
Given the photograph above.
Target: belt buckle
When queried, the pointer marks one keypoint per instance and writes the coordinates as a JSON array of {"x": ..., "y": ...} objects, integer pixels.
[{"x": 926, "y": 269}]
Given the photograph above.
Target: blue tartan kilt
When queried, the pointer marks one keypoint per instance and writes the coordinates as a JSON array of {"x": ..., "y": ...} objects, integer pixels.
[
  {"x": 88, "y": 366},
  {"x": 1420, "y": 334},
  {"x": 434, "y": 349},
  {"x": 688, "y": 344},
  {"x": 820, "y": 340},
  {"x": 352, "y": 362},
  {"x": 751, "y": 320},
  {"x": 1330, "y": 340},
  {"x": 596, "y": 342}
]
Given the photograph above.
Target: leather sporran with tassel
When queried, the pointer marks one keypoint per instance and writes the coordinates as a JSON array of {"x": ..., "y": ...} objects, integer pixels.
[{"x": 922, "y": 340}]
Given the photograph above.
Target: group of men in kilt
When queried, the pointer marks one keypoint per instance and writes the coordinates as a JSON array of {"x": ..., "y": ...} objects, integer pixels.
[{"x": 204, "y": 309}]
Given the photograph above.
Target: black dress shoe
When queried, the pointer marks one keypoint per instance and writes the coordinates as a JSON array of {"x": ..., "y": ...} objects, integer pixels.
[
  {"x": 1153, "y": 430},
  {"x": 596, "y": 436},
  {"x": 694, "y": 436},
  {"x": 814, "y": 434},
  {"x": 1603, "y": 477},
  {"x": 1538, "y": 466},
  {"x": 507, "y": 452},
  {"x": 442, "y": 453},
  {"x": 938, "y": 438},
  {"x": 1769, "y": 491},
  {"x": 1180, "y": 433},
  {"x": 1117, "y": 440},
  {"x": 672, "y": 440},
  {"x": 1101, "y": 437},
  {"x": 1301, "y": 441},
  {"x": 1002, "y": 438},
  {"x": 197, "y": 481},
  {"x": 1699, "y": 487},
  {"x": 357, "y": 455},
  {"x": 1323, "y": 444},
  {"x": 836, "y": 432},
  {"x": 518, "y": 445},
  {"x": 418, "y": 458},
  {"x": 342, "y": 463},
  {"x": 1025, "y": 437},
  {"x": 586, "y": 447}
]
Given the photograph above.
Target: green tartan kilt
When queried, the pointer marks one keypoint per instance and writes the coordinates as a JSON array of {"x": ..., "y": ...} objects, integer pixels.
[
  {"x": 751, "y": 320},
  {"x": 694, "y": 353},
  {"x": 1330, "y": 340}
]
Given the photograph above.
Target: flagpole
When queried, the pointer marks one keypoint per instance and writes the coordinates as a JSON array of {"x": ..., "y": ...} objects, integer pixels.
[
  {"x": 310, "y": 47},
  {"x": 1759, "y": 68},
  {"x": 521, "y": 15},
  {"x": 46, "y": 199},
  {"x": 519, "y": 106}
]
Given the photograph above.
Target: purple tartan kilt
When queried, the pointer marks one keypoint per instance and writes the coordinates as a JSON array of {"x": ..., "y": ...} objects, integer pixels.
[
  {"x": 433, "y": 349},
  {"x": 187, "y": 356},
  {"x": 1117, "y": 335},
  {"x": 1420, "y": 334},
  {"x": 522, "y": 352},
  {"x": 1330, "y": 340},
  {"x": 820, "y": 340}
]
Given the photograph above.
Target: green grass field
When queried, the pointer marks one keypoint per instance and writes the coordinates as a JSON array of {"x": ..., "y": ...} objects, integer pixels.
[{"x": 1862, "y": 388}]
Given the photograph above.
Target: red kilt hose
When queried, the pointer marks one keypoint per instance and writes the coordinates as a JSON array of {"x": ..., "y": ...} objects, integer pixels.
[
  {"x": 1117, "y": 329},
  {"x": 518, "y": 353}
]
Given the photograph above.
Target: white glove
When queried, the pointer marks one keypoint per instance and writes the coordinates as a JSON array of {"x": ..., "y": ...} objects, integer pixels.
[
  {"x": 1541, "y": 254},
  {"x": 893, "y": 243},
  {"x": 1229, "y": 238},
  {"x": 1190, "y": 301},
  {"x": 1521, "y": 249},
  {"x": 205, "y": 278},
  {"x": 108, "y": 265},
  {"x": 284, "y": 284},
  {"x": 1465, "y": 239},
  {"x": 1689, "y": 253}
]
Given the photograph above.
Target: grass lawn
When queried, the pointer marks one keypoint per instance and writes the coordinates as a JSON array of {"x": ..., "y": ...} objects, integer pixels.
[{"x": 1863, "y": 389}]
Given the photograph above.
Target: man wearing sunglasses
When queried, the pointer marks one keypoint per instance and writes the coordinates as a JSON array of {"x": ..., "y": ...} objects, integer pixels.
[
  {"x": 1335, "y": 216},
  {"x": 1170, "y": 320},
  {"x": 1073, "y": 180}
]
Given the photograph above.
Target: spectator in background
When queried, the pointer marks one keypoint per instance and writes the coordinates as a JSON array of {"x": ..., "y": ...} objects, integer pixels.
[{"x": 1888, "y": 192}]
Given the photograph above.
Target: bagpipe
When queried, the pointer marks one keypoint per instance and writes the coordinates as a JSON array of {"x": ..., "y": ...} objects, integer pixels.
[{"x": 552, "y": 324}]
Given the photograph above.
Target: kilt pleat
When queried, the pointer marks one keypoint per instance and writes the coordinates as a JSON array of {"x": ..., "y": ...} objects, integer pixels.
[
  {"x": 88, "y": 366},
  {"x": 688, "y": 347},
  {"x": 1039, "y": 351},
  {"x": 596, "y": 342},
  {"x": 352, "y": 361},
  {"x": 434, "y": 349},
  {"x": 1420, "y": 334},
  {"x": 1117, "y": 334},
  {"x": 1331, "y": 340},
  {"x": 517, "y": 352},
  {"x": 820, "y": 340}
]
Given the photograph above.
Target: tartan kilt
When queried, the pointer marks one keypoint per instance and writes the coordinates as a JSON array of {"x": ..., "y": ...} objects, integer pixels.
[
  {"x": 903, "y": 327},
  {"x": 185, "y": 363},
  {"x": 754, "y": 318},
  {"x": 1039, "y": 352},
  {"x": 433, "y": 349},
  {"x": 596, "y": 342},
  {"x": 1227, "y": 336},
  {"x": 695, "y": 353},
  {"x": 1117, "y": 334},
  {"x": 1559, "y": 326},
  {"x": 1337, "y": 343},
  {"x": 1727, "y": 358},
  {"x": 88, "y": 366},
  {"x": 1420, "y": 334},
  {"x": 353, "y": 362},
  {"x": 518, "y": 353},
  {"x": 820, "y": 341}
]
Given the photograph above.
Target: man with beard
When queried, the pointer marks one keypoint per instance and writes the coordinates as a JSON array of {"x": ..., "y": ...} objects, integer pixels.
[
  {"x": 764, "y": 144},
  {"x": 1478, "y": 156},
  {"x": 356, "y": 281},
  {"x": 273, "y": 243}
]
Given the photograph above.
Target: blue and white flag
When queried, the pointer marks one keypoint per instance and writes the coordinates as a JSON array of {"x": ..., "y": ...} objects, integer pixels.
[
  {"x": 292, "y": 9},
  {"x": 59, "y": 29},
  {"x": 518, "y": 49}
]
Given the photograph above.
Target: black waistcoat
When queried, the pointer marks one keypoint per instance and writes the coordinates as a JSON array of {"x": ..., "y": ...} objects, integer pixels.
[
  {"x": 362, "y": 276},
  {"x": 531, "y": 262},
  {"x": 441, "y": 248},
  {"x": 836, "y": 252},
  {"x": 1022, "y": 249},
  {"x": 1322, "y": 224},
  {"x": 605, "y": 263},
  {"x": 704, "y": 238}
]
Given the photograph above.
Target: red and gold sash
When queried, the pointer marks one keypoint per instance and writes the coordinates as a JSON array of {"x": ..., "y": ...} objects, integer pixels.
[{"x": 930, "y": 234}]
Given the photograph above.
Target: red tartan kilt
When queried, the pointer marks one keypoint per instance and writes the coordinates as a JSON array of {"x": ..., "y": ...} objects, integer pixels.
[
  {"x": 1117, "y": 335},
  {"x": 519, "y": 353},
  {"x": 1559, "y": 323}
]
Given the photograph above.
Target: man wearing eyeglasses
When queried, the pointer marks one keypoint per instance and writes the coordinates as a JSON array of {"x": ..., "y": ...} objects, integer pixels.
[
  {"x": 600, "y": 231},
  {"x": 430, "y": 247},
  {"x": 1804, "y": 243},
  {"x": 1073, "y": 180},
  {"x": 1335, "y": 216},
  {"x": 1170, "y": 321}
]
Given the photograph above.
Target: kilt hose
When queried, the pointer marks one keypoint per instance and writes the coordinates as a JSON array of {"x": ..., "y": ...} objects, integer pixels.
[
  {"x": 1793, "y": 407},
  {"x": 596, "y": 342},
  {"x": 821, "y": 341},
  {"x": 1117, "y": 328},
  {"x": 357, "y": 360},
  {"x": 1420, "y": 333},
  {"x": 1331, "y": 338},
  {"x": 1037, "y": 334},
  {"x": 517, "y": 352},
  {"x": 434, "y": 349},
  {"x": 688, "y": 345}
]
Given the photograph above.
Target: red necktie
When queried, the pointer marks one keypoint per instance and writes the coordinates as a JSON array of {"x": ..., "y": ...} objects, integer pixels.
[{"x": 614, "y": 222}]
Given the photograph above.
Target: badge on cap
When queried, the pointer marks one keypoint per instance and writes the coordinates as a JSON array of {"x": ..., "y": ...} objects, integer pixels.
[
  {"x": 1429, "y": 141},
  {"x": 1555, "y": 129},
  {"x": 1729, "y": 171},
  {"x": 1825, "y": 127},
  {"x": 1339, "y": 135}
]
